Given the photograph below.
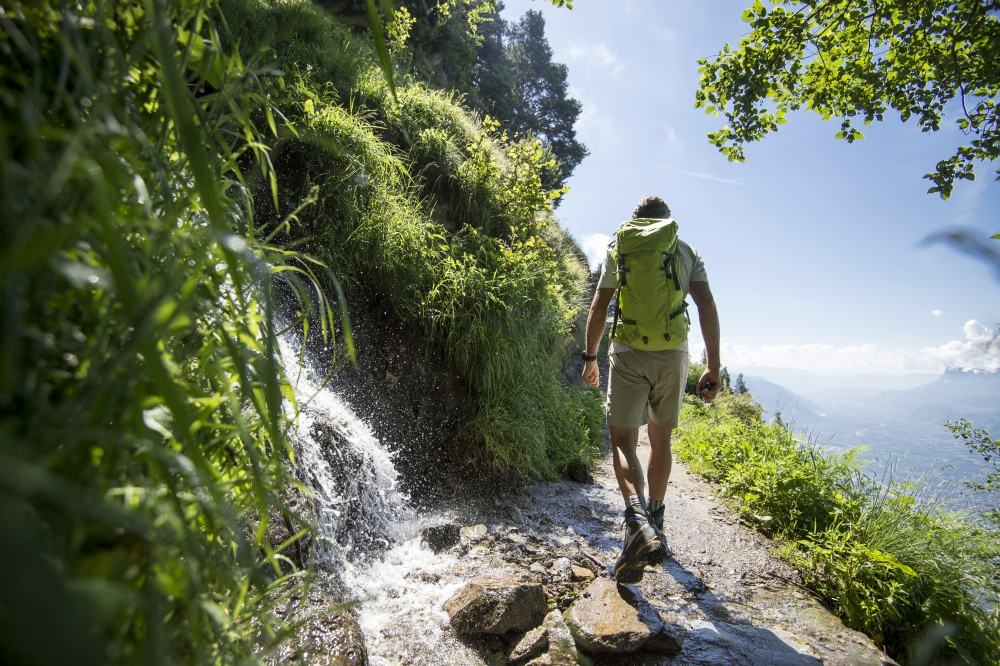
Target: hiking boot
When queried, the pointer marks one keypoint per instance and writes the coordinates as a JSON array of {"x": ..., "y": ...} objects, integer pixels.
[
  {"x": 656, "y": 521},
  {"x": 642, "y": 547}
]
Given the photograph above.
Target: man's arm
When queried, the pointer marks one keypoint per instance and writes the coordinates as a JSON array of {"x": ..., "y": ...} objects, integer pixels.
[
  {"x": 596, "y": 319},
  {"x": 708, "y": 317}
]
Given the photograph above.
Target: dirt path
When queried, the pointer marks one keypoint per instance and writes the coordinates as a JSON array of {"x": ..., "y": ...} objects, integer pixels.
[{"x": 738, "y": 602}]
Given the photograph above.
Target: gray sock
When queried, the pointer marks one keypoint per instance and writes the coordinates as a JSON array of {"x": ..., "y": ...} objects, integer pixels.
[
  {"x": 637, "y": 504},
  {"x": 654, "y": 505}
]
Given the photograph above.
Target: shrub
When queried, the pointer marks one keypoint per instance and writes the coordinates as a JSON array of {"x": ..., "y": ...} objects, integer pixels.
[
  {"x": 884, "y": 555},
  {"x": 143, "y": 450}
]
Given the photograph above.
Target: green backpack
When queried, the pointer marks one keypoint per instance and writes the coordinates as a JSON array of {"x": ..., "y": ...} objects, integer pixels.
[{"x": 650, "y": 313}]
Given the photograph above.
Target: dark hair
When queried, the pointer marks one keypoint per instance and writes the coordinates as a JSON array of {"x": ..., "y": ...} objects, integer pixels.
[{"x": 653, "y": 207}]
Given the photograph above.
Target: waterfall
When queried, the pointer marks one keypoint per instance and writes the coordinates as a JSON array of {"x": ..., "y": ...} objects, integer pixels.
[
  {"x": 358, "y": 505},
  {"x": 367, "y": 531}
]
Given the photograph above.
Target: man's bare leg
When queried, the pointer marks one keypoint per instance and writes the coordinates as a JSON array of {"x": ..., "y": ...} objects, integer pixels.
[
  {"x": 628, "y": 469},
  {"x": 660, "y": 461},
  {"x": 642, "y": 544}
]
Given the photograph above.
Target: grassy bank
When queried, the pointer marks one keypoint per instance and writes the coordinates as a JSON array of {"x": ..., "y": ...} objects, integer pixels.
[
  {"x": 443, "y": 215},
  {"x": 885, "y": 556},
  {"x": 160, "y": 163}
]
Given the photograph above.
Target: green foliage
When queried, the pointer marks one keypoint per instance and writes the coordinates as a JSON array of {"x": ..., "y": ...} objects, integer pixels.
[
  {"x": 980, "y": 441},
  {"x": 856, "y": 60},
  {"x": 886, "y": 557},
  {"x": 504, "y": 71},
  {"x": 540, "y": 105},
  {"x": 147, "y": 173},
  {"x": 444, "y": 217},
  {"x": 695, "y": 371},
  {"x": 143, "y": 450}
]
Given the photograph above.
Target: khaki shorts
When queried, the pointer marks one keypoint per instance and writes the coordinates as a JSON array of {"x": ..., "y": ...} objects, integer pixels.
[{"x": 643, "y": 385}]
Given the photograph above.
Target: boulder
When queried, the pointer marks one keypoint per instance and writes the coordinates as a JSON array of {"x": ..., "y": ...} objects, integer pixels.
[
  {"x": 532, "y": 644},
  {"x": 608, "y": 618},
  {"x": 441, "y": 537},
  {"x": 473, "y": 534},
  {"x": 496, "y": 606},
  {"x": 561, "y": 569},
  {"x": 562, "y": 647},
  {"x": 334, "y": 641}
]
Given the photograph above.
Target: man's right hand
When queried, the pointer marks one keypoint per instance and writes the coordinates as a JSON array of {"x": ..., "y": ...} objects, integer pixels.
[{"x": 591, "y": 374}]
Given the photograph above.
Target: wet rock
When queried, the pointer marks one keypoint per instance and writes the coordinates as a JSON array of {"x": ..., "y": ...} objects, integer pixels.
[
  {"x": 578, "y": 471},
  {"x": 441, "y": 537},
  {"x": 493, "y": 606},
  {"x": 608, "y": 618},
  {"x": 473, "y": 534},
  {"x": 721, "y": 643},
  {"x": 561, "y": 569},
  {"x": 562, "y": 648},
  {"x": 531, "y": 645},
  {"x": 334, "y": 641},
  {"x": 668, "y": 640}
]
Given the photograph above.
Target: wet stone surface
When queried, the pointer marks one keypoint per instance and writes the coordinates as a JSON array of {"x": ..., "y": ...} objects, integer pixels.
[{"x": 724, "y": 597}]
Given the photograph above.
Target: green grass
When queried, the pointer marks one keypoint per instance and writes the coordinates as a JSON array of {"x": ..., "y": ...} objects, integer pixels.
[
  {"x": 160, "y": 163},
  {"x": 444, "y": 217},
  {"x": 143, "y": 450},
  {"x": 884, "y": 555}
]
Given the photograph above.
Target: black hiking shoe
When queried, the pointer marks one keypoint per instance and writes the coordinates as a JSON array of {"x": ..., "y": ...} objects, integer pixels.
[{"x": 642, "y": 547}]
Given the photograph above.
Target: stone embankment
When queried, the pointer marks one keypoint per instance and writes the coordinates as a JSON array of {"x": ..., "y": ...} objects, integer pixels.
[{"x": 528, "y": 582}]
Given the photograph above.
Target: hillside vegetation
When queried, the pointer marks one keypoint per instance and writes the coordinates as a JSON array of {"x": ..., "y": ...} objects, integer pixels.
[
  {"x": 888, "y": 557},
  {"x": 162, "y": 163}
]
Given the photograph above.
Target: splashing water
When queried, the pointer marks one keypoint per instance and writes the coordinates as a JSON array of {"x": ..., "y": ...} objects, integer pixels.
[
  {"x": 367, "y": 531},
  {"x": 358, "y": 506}
]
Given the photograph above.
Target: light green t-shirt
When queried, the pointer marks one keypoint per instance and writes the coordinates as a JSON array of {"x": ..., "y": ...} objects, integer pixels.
[{"x": 690, "y": 266}]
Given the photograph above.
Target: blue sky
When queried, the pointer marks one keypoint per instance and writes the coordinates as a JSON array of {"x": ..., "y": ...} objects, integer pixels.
[{"x": 812, "y": 245}]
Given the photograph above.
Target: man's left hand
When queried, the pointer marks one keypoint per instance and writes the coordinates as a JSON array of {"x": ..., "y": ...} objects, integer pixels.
[{"x": 708, "y": 385}]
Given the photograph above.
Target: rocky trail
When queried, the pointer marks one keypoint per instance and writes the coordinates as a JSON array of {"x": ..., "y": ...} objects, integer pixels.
[{"x": 516, "y": 581}]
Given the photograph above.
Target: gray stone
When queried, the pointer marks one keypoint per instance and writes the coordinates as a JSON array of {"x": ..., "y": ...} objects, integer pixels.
[
  {"x": 332, "y": 641},
  {"x": 441, "y": 537},
  {"x": 561, "y": 569},
  {"x": 722, "y": 643},
  {"x": 473, "y": 533},
  {"x": 536, "y": 567},
  {"x": 532, "y": 644},
  {"x": 492, "y": 606},
  {"x": 668, "y": 640},
  {"x": 604, "y": 622},
  {"x": 562, "y": 647}
]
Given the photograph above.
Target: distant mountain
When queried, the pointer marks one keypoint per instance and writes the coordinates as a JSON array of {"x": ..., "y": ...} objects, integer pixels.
[
  {"x": 833, "y": 390},
  {"x": 775, "y": 399},
  {"x": 956, "y": 394}
]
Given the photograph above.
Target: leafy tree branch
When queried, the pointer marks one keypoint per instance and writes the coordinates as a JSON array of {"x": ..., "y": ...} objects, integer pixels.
[{"x": 856, "y": 60}]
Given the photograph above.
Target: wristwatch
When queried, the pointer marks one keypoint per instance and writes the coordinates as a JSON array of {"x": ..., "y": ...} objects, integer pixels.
[{"x": 587, "y": 357}]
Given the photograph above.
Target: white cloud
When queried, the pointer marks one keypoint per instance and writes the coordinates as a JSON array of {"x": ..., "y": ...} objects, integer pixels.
[
  {"x": 699, "y": 174},
  {"x": 673, "y": 139},
  {"x": 936, "y": 313},
  {"x": 595, "y": 246},
  {"x": 594, "y": 126},
  {"x": 597, "y": 55},
  {"x": 980, "y": 350}
]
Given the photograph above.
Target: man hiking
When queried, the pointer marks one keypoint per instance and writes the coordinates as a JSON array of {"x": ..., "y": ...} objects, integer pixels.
[{"x": 649, "y": 272}]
